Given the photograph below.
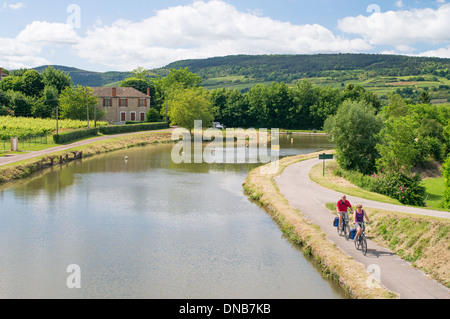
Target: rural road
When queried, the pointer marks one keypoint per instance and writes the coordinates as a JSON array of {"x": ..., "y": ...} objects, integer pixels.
[
  {"x": 5, "y": 160},
  {"x": 394, "y": 273}
]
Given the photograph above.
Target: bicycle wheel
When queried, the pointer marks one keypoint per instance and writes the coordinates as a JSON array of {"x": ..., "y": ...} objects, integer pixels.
[
  {"x": 347, "y": 231},
  {"x": 364, "y": 246},
  {"x": 357, "y": 243}
]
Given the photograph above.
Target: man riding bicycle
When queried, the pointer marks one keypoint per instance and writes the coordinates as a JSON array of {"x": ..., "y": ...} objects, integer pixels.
[{"x": 343, "y": 205}]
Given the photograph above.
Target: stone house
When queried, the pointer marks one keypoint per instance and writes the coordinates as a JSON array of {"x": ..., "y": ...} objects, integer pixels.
[{"x": 123, "y": 104}]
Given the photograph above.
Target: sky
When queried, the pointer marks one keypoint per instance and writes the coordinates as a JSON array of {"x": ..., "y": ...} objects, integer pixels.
[{"x": 100, "y": 35}]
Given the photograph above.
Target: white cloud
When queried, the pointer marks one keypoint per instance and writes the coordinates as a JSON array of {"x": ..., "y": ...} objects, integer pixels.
[
  {"x": 25, "y": 49},
  {"x": 438, "y": 53},
  {"x": 50, "y": 33},
  {"x": 201, "y": 30},
  {"x": 403, "y": 28}
]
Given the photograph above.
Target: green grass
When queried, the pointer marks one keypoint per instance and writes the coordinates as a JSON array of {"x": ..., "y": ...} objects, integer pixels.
[{"x": 435, "y": 188}]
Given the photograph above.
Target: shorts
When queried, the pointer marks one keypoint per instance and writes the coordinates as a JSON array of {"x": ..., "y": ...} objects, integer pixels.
[{"x": 358, "y": 225}]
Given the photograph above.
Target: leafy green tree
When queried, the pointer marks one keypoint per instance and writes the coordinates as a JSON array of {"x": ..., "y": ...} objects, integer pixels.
[
  {"x": 20, "y": 104},
  {"x": 32, "y": 83},
  {"x": 153, "y": 116},
  {"x": 396, "y": 107},
  {"x": 46, "y": 106},
  {"x": 182, "y": 78},
  {"x": 399, "y": 147},
  {"x": 354, "y": 131},
  {"x": 13, "y": 83},
  {"x": 56, "y": 78},
  {"x": 358, "y": 93},
  {"x": 424, "y": 97},
  {"x": 140, "y": 84},
  {"x": 189, "y": 105},
  {"x": 75, "y": 103}
]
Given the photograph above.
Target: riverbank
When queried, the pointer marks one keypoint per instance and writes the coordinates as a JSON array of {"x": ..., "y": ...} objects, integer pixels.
[
  {"x": 351, "y": 275},
  {"x": 14, "y": 170}
]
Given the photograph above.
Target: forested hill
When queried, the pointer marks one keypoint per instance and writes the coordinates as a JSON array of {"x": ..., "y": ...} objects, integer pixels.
[
  {"x": 282, "y": 68},
  {"x": 290, "y": 67}
]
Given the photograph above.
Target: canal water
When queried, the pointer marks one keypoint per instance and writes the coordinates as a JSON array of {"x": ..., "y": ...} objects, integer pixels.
[{"x": 148, "y": 228}]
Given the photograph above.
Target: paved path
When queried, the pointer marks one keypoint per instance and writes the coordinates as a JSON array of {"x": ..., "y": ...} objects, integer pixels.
[
  {"x": 20, "y": 157},
  {"x": 395, "y": 274}
]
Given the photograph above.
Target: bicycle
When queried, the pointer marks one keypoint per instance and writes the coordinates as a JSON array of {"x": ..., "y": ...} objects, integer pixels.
[
  {"x": 361, "y": 241},
  {"x": 345, "y": 227}
]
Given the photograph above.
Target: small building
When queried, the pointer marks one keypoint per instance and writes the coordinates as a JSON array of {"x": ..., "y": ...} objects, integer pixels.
[
  {"x": 2, "y": 75},
  {"x": 123, "y": 104}
]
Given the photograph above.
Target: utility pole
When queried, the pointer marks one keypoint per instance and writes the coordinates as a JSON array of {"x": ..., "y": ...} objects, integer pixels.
[{"x": 87, "y": 106}]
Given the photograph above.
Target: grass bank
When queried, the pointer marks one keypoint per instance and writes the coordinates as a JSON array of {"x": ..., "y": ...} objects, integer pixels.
[
  {"x": 260, "y": 186},
  {"x": 25, "y": 168}
]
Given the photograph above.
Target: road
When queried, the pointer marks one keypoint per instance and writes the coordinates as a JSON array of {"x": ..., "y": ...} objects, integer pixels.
[{"x": 394, "y": 273}]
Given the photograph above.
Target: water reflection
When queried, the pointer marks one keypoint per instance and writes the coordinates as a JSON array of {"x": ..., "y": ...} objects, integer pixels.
[{"x": 148, "y": 228}]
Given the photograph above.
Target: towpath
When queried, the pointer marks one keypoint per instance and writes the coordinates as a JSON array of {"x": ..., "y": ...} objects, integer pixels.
[
  {"x": 394, "y": 273},
  {"x": 5, "y": 160}
]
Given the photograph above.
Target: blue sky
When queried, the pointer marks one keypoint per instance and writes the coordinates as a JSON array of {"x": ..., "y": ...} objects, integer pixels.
[{"x": 104, "y": 35}]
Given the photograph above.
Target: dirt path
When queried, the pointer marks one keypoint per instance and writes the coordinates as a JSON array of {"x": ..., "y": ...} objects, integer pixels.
[
  {"x": 5, "y": 160},
  {"x": 394, "y": 273}
]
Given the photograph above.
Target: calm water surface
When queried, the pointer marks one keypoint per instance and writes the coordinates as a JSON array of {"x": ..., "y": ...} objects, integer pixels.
[{"x": 148, "y": 228}]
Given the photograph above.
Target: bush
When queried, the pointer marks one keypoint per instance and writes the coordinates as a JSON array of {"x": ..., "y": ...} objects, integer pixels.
[
  {"x": 404, "y": 187},
  {"x": 74, "y": 135},
  {"x": 446, "y": 174},
  {"x": 153, "y": 116},
  {"x": 119, "y": 129},
  {"x": 400, "y": 185}
]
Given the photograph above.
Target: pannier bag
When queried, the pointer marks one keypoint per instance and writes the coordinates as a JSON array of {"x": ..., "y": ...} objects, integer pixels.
[{"x": 336, "y": 222}]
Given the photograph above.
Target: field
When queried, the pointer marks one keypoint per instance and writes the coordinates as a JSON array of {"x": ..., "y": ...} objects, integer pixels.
[
  {"x": 26, "y": 127},
  {"x": 382, "y": 86}
]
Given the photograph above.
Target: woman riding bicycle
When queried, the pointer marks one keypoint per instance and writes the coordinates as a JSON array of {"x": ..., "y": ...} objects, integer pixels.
[{"x": 358, "y": 219}]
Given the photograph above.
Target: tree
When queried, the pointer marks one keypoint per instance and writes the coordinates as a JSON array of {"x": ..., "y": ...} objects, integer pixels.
[
  {"x": 182, "y": 78},
  {"x": 32, "y": 83},
  {"x": 189, "y": 105},
  {"x": 56, "y": 78},
  {"x": 399, "y": 147},
  {"x": 75, "y": 102},
  {"x": 424, "y": 97},
  {"x": 354, "y": 131},
  {"x": 140, "y": 84},
  {"x": 46, "y": 107},
  {"x": 19, "y": 103}
]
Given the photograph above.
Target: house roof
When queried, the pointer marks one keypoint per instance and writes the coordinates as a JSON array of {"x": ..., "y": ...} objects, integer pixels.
[{"x": 124, "y": 92}]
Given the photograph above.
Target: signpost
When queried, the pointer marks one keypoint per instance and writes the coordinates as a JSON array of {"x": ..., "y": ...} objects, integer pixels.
[{"x": 325, "y": 157}]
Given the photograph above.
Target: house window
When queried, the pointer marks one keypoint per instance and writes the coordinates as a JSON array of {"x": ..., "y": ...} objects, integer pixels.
[
  {"x": 123, "y": 116},
  {"x": 107, "y": 102},
  {"x": 142, "y": 102},
  {"x": 123, "y": 103},
  {"x": 142, "y": 116},
  {"x": 133, "y": 116}
]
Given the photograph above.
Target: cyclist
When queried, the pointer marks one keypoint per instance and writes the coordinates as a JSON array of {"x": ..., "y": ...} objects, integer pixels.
[
  {"x": 342, "y": 207},
  {"x": 358, "y": 219}
]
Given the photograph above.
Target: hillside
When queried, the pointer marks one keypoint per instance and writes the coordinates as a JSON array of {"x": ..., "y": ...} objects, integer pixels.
[
  {"x": 89, "y": 78},
  {"x": 382, "y": 74}
]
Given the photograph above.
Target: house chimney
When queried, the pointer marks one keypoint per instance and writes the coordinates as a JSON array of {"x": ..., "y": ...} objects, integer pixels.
[
  {"x": 148, "y": 91},
  {"x": 114, "y": 92}
]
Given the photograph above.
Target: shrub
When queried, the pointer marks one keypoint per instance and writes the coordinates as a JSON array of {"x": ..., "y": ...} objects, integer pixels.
[
  {"x": 400, "y": 185},
  {"x": 119, "y": 129},
  {"x": 74, "y": 135}
]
